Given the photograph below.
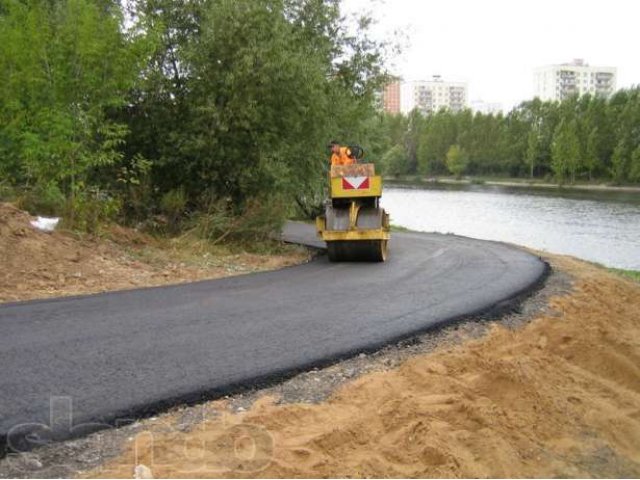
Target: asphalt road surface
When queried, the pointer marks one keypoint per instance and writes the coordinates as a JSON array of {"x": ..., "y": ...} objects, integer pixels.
[{"x": 71, "y": 365}]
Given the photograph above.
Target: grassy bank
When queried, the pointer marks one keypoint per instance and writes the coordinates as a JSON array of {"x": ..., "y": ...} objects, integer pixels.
[
  {"x": 632, "y": 274},
  {"x": 399, "y": 228}
]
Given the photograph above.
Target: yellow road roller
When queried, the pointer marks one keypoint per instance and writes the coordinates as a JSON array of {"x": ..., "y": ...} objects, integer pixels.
[{"x": 354, "y": 225}]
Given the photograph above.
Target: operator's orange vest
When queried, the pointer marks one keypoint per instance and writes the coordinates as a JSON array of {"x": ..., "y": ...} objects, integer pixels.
[{"x": 343, "y": 157}]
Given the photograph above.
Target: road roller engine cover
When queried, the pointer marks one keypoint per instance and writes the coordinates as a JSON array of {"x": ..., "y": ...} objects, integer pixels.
[{"x": 354, "y": 225}]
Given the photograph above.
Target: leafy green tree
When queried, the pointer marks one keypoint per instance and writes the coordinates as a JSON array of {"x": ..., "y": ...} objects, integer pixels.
[
  {"x": 620, "y": 161},
  {"x": 456, "y": 160},
  {"x": 396, "y": 161},
  {"x": 438, "y": 134},
  {"x": 513, "y": 144},
  {"x": 565, "y": 152},
  {"x": 382, "y": 132},
  {"x": 591, "y": 155},
  {"x": 241, "y": 97},
  {"x": 412, "y": 141},
  {"x": 634, "y": 167},
  {"x": 63, "y": 66},
  {"x": 481, "y": 136},
  {"x": 595, "y": 135},
  {"x": 533, "y": 150}
]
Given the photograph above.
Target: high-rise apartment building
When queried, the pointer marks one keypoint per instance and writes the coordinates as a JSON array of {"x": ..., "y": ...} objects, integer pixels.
[
  {"x": 391, "y": 97},
  {"x": 432, "y": 95},
  {"x": 558, "y": 82}
]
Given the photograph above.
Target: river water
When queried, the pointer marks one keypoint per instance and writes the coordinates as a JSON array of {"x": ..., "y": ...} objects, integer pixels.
[{"x": 602, "y": 227}]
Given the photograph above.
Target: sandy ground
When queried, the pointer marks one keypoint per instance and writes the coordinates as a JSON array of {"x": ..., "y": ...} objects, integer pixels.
[
  {"x": 35, "y": 264},
  {"x": 558, "y": 397}
]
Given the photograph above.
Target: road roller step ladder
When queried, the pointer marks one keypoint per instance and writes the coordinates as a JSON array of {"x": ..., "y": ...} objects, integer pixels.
[{"x": 354, "y": 225}]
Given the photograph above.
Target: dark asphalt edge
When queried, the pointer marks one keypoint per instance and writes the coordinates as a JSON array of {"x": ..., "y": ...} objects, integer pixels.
[{"x": 121, "y": 418}]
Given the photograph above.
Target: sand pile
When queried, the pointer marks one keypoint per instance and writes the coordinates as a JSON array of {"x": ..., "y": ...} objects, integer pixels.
[
  {"x": 35, "y": 264},
  {"x": 557, "y": 397}
]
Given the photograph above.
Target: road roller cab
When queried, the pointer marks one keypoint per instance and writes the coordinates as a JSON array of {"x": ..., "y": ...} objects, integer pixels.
[{"x": 354, "y": 225}]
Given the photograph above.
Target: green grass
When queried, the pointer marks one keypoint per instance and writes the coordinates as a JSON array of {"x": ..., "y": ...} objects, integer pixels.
[
  {"x": 477, "y": 181},
  {"x": 399, "y": 228},
  {"x": 7, "y": 192},
  {"x": 632, "y": 274}
]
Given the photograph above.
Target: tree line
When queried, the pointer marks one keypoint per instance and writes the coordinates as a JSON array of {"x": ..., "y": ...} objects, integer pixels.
[
  {"x": 580, "y": 139},
  {"x": 214, "y": 113}
]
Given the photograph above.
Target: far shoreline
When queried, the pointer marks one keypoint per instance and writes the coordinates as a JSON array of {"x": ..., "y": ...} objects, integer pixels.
[{"x": 521, "y": 183}]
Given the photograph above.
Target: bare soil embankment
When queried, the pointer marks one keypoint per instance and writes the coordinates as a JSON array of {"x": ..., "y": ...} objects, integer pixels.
[
  {"x": 559, "y": 396},
  {"x": 36, "y": 264}
]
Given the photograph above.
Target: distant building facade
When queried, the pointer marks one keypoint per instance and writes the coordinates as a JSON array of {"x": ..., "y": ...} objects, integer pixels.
[
  {"x": 430, "y": 96},
  {"x": 391, "y": 97},
  {"x": 558, "y": 82}
]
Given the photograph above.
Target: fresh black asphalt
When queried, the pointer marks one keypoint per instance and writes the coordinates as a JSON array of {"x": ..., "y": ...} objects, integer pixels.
[{"x": 122, "y": 355}]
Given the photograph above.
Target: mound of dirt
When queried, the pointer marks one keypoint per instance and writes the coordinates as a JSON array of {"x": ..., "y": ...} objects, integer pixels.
[
  {"x": 36, "y": 264},
  {"x": 559, "y": 397}
]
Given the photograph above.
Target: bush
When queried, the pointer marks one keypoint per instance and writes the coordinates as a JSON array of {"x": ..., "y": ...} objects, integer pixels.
[
  {"x": 134, "y": 185},
  {"x": 457, "y": 160},
  {"x": 7, "y": 192},
  {"x": 173, "y": 205},
  {"x": 258, "y": 222},
  {"x": 395, "y": 161},
  {"x": 47, "y": 200},
  {"x": 261, "y": 220},
  {"x": 87, "y": 210}
]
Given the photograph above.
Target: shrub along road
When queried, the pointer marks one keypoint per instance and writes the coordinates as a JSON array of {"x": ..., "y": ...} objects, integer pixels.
[{"x": 73, "y": 365}]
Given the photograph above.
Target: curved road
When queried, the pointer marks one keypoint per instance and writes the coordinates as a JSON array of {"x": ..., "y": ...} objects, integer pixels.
[{"x": 126, "y": 354}]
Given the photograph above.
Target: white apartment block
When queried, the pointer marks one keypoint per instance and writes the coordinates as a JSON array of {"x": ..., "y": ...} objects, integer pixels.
[
  {"x": 557, "y": 82},
  {"x": 432, "y": 95}
]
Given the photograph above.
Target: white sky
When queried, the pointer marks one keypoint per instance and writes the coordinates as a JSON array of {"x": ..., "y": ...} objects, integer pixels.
[{"x": 494, "y": 45}]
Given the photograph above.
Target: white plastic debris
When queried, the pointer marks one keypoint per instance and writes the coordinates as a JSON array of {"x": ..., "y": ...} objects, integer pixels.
[
  {"x": 45, "y": 224},
  {"x": 142, "y": 472}
]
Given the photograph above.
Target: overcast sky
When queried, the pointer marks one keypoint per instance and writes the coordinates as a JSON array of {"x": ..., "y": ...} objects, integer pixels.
[{"x": 494, "y": 45}]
